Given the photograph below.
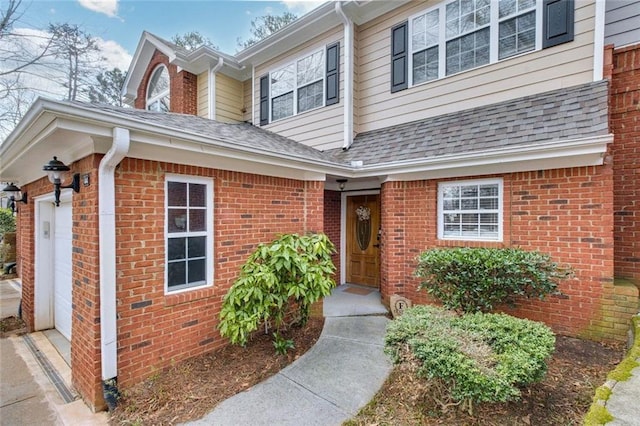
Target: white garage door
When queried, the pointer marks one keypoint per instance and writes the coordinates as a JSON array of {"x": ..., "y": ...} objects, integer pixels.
[{"x": 62, "y": 237}]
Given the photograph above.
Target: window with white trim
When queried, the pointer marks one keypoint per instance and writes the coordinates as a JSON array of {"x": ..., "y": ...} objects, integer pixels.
[
  {"x": 189, "y": 232},
  {"x": 470, "y": 210},
  {"x": 459, "y": 35},
  {"x": 158, "y": 98},
  {"x": 297, "y": 87}
]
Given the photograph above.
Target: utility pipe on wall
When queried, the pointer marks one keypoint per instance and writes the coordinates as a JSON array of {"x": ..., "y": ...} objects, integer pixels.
[
  {"x": 107, "y": 238},
  {"x": 348, "y": 76}
]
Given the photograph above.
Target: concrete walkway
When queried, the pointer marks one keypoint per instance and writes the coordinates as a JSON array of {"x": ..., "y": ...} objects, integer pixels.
[
  {"x": 624, "y": 401},
  {"x": 331, "y": 382},
  {"x": 27, "y": 394}
]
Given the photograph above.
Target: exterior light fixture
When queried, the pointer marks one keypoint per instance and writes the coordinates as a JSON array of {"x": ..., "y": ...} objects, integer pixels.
[
  {"x": 13, "y": 192},
  {"x": 341, "y": 183},
  {"x": 55, "y": 169}
]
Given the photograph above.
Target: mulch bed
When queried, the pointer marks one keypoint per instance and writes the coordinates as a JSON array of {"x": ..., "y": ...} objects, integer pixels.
[
  {"x": 192, "y": 388},
  {"x": 576, "y": 369}
]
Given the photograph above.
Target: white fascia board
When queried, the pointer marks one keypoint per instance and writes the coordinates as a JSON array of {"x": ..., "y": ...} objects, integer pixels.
[
  {"x": 192, "y": 155},
  {"x": 543, "y": 156},
  {"x": 306, "y": 27},
  {"x": 99, "y": 124},
  {"x": 146, "y": 46}
]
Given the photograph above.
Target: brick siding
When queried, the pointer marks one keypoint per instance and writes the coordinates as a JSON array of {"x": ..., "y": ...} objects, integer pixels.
[
  {"x": 332, "y": 200},
  {"x": 183, "y": 86},
  {"x": 565, "y": 212},
  {"x": 625, "y": 124},
  {"x": 156, "y": 330}
]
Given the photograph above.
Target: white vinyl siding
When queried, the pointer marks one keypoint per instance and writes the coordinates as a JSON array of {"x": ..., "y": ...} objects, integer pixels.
[
  {"x": 470, "y": 210},
  {"x": 621, "y": 22},
  {"x": 321, "y": 128},
  {"x": 229, "y": 100},
  {"x": 521, "y": 75},
  {"x": 188, "y": 233},
  {"x": 203, "y": 94}
]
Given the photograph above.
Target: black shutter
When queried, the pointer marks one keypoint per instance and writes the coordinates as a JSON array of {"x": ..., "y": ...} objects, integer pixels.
[
  {"x": 557, "y": 22},
  {"x": 333, "y": 74},
  {"x": 264, "y": 100},
  {"x": 399, "y": 59}
]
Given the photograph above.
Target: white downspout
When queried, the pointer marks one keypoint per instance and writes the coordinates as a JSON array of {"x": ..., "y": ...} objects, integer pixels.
[
  {"x": 598, "y": 41},
  {"x": 253, "y": 95},
  {"x": 212, "y": 88},
  {"x": 107, "y": 238},
  {"x": 348, "y": 76}
]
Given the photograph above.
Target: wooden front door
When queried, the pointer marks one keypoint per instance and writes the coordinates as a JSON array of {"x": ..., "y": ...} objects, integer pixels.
[{"x": 363, "y": 252}]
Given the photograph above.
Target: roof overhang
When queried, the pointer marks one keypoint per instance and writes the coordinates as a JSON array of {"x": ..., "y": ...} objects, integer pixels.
[
  {"x": 311, "y": 25},
  {"x": 196, "y": 62},
  {"x": 558, "y": 154},
  {"x": 72, "y": 132}
]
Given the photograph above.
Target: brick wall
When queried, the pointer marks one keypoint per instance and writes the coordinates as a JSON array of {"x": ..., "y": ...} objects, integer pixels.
[
  {"x": 332, "y": 225},
  {"x": 183, "y": 87},
  {"x": 85, "y": 344},
  {"x": 566, "y": 213},
  {"x": 156, "y": 330},
  {"x": 625, "y": 124}
]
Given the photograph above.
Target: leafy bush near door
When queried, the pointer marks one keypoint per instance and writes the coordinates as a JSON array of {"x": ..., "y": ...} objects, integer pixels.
[
  {"x": 470, "y": 358},
  {"x": 287, "y": 275},
  {"x": 478, "y": 279}
]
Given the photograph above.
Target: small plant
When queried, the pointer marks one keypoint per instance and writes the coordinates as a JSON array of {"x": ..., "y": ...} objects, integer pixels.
[
  {"x": 281, "y": 344},
  {"x": 472, "y": 358},
  {"x": 478, "y": 279},
  {"x": 288, "y": 275},
  {"x": 7, "y": 221}
]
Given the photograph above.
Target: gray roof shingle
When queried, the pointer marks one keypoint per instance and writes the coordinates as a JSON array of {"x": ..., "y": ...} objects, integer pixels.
[
  {"x": 242, "y": 135},
  {"x": 571, "y": 113},
  {"x": 576, "y": 112}
]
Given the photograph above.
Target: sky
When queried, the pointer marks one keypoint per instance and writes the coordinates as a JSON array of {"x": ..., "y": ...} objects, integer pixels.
[
  {"x": 117, "y": 26},
  {"x": 119, "y": 23}
]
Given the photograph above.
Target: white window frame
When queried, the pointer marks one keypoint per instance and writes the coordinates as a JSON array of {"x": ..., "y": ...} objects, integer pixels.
[
  {"x": 500, "y": 210},
  {"x": 208, "y": 233},
  {"x": 494, "y": 26},
  {"x": 296, "y": 88},
  {"x": 166, "y": 93}
]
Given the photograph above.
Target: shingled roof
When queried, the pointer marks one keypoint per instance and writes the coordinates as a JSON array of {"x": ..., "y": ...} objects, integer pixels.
[
  {"x": 571, "y": 113},
  {"x": 244, "y": 136}
]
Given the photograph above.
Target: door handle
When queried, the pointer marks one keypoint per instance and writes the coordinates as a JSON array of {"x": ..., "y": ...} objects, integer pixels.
[{"x": 376, "y": 245}]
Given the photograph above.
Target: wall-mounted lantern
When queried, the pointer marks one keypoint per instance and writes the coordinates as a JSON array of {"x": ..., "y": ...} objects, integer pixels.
[
  {"x": 341, "y": 183},
  {"x": 15, "y": 195},
  {"x": 55, "y": 169}
]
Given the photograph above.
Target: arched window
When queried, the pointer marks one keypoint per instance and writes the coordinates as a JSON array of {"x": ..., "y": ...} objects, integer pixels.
[{"x": 158, "y": 90}]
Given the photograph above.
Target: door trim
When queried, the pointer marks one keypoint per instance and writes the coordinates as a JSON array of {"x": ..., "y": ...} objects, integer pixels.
[
  {"x": 343, "y": 227},
  {"x": 43, "y": 293}
]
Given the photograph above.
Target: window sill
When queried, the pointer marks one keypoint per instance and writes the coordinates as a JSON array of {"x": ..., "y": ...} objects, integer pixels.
[
  {"x": 292, "y": 117},
  {"x": 188, "y": 295},
  {"x": 470, "y": 243},
  {"x": 459, "y": 73}
]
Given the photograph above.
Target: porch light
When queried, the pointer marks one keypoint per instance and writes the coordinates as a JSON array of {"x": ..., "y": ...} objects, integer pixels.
[
  {"x": 55, "y": 169},
  {"x": 341, "y": 183},
  {"x": 13, "y": 191}
]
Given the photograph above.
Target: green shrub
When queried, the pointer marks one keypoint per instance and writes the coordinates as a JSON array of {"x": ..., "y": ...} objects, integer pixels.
[
  {"x": 292, "y": 271},
  {"x": 7, "y": 221},
  {"x": 476, "y": 357},
  {"x": 478, "y": 279}
]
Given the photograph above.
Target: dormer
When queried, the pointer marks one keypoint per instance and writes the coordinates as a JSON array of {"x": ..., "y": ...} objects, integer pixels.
[{"x": 168, "y": 78}]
